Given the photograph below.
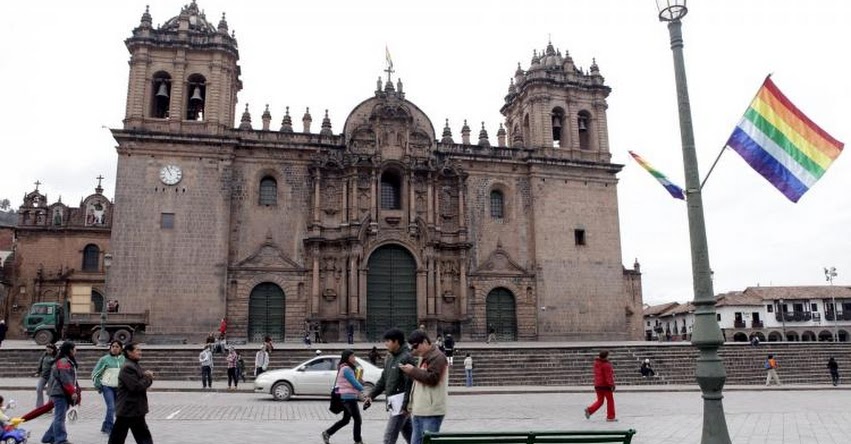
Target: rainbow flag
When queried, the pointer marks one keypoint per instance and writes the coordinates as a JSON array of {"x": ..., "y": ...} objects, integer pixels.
[
  {"x": 782, "y": 144},
  {"x": 675, "y": 191}
]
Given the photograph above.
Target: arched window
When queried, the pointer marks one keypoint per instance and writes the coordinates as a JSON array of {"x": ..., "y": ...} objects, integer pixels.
[
  {"x": 583, "y": 123},
  {"x": 558, "y": 123},
  {"x": 161, "y": 95},
  {"x": 91, "y": 257},
  {"x": 391, "y": 192},
  {"x": 197, "y": 89},
  {"x": 497, "y": 204},
  {"x": 268, "y": 191}
]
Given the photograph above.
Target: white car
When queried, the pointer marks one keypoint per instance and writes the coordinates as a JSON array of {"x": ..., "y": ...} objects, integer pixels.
[{"x": 314, "y": 377}]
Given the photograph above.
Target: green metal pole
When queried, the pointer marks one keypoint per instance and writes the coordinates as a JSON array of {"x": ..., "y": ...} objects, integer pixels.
[{"x": 707, "y": 334}]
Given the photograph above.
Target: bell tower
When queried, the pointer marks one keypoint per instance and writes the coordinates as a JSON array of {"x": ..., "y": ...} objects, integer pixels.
[
  {"x": 182, "y": 74},
  {"x": 557, "y": 107}
]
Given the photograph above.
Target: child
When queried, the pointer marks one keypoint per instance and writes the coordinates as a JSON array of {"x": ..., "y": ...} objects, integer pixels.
[{"x": 4, "y": 419}]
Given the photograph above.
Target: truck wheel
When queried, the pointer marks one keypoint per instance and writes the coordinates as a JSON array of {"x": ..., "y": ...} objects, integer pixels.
[
  {"x": 96, "y": 337},
  {"x": 122, "y": 335},
  {"x": 43, "y": 337}
]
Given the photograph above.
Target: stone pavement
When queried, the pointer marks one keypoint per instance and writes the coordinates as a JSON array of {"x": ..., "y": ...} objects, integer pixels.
[{"x": 755, "y": 416}]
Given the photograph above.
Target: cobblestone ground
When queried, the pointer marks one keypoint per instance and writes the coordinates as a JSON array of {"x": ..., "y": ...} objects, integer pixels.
[{"x": 660, "y": 418}]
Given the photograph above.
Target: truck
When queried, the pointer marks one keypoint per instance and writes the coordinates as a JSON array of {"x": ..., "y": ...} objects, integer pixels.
[{"x": 42, "y": 321}]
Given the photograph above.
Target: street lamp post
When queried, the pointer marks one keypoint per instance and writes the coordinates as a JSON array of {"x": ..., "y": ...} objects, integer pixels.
[
  {"x": 829, "y": 274},
  {"x": 707, "y": 337},
  {"x": 103, "y": 335},
  {"x": 781, "y": 308}
]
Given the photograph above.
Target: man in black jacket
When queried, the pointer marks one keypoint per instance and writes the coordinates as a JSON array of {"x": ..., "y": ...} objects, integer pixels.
[
  {"x": 394, "y": 383},
  {"x": 132, "y": 400}
]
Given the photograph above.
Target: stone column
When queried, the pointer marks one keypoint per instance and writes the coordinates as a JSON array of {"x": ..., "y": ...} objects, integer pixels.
[
  {"x": 316, "y": 197},
  {"x": 430, "y": 200},
  {"x": 354, "y": 211},
  {"x": 358, "y": 304},
  {"x": 411, "y": 199},
  {"x": 430, "y": 283},
  {"x": 462, "y": 220},
  {"x": 374, "y": 195},
  {"x": 314, "y": 289},
  {"x": 438, "y": 288},
  {"x": 462, "y": 293},
  {"x": 345, "y": 215},
  {"x": 353, "y": 282}
]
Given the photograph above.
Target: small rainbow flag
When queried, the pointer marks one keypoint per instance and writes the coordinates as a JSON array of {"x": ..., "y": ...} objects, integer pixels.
[
  {"x": 675, "y": 191},
  {"x": 782, "y": 144}
]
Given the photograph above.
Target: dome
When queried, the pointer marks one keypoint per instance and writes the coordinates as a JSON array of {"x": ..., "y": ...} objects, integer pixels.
[{"x": 197, "y": 20}]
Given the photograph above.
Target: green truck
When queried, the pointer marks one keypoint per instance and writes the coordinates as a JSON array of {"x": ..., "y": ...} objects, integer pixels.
[{"x": 44, "y": 319}]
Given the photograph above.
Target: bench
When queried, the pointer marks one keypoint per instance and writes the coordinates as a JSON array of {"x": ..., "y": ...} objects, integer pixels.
[{"x": 550, "y": 437}]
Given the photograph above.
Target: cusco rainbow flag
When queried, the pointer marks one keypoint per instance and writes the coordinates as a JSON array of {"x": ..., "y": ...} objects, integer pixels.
[
  {"x": 782, "y": 144},
  {"x": 675, "y": 191}
]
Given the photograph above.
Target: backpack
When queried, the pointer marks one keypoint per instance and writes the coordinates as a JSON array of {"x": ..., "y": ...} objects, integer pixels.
[{"x": 767, "y": 365}]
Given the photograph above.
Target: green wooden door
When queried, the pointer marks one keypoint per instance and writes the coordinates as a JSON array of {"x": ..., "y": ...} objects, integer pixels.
[
  {"x": 391, "y": 287},
  {"x": 266, "y": 312},
  {"x": 502, "y": 314}
]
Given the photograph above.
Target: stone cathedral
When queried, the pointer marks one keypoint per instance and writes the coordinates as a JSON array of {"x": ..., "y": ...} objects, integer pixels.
[{"x": 384, "y": 222}]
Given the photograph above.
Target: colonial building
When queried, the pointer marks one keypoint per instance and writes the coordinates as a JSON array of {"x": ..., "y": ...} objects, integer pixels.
[
  {"x": 58, "y": 254},
  {"x": 383, "y": 222}
]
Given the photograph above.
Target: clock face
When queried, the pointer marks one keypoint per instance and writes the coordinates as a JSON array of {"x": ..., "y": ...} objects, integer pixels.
[{"x": 171, "y": 174}]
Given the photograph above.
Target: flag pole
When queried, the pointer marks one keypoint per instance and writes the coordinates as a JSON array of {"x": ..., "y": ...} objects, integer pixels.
[{"x": 724, "y": 148}]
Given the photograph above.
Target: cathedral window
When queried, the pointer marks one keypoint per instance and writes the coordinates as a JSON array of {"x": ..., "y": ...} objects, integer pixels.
[
  {"x": 557, "y": 124},
  {"x": 268, "y": 191},
  {"x": 197, "y": 89},
  {"x": 579, "y": 237},
  {"x": 497, "y": 204},
  {"x": 583, "y": 123},
  {"x": 391, "y": 192},
  {"x": 167, "y": 221},
  {"x": 161, "y": 95},
  {"x": 91, "y": 257}
]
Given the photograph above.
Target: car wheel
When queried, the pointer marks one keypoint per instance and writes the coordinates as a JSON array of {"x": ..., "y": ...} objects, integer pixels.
[
  {"x": 43, "y": 337},
  {"x": 282, "y": 391},
  {"x": 122, "y": 335},
  {"x": 368, "y": 387},
  {"x": 10, "y": 440}
]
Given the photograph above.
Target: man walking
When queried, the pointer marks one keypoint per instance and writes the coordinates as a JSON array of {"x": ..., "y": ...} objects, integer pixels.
[
  {"x": 427, "y": 402},
  {"x": 771, "y": 370},
  {"x": 396, "y": 385},
  {"x": 132, "y": 399}
]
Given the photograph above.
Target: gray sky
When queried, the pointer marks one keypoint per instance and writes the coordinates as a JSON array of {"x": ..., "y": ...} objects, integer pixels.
[{"x": 64, "y": 74}]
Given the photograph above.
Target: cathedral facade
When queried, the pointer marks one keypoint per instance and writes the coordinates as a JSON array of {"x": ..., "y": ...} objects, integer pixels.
[{"x": 386, "y": 222}]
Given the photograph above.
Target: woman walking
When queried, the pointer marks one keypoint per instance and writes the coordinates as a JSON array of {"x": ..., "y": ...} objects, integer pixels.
[
  {"x": 261, "y": 361},
  {"x": 43, "y": 373},
  {"x": 63, "y": 391},
  {"x": 350, "y": 390},
  {"x": 232, "y": 368},
  {"x": 105, "y": 379},
  {"x": 604, "y": 385},
  {"x": 132, "y": 399}
]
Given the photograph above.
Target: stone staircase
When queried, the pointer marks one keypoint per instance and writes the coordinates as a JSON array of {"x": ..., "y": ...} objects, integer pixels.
[{"x": 533, "y": 364}]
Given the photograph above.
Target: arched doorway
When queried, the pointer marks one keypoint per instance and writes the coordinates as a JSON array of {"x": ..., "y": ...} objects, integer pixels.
[
  {"x": 502, "y": 314},
  {"x": 808, "y": 336},
  {"x": 775, "y": 337},
  {"x": 740, "y": 337},
  {"x": 266, "y": 312},
  {"x": 97, "y": 302},
  {"x": 391, "y": 288}
]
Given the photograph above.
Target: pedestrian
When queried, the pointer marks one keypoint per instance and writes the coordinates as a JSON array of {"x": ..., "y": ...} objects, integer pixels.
[
  {"x": 396, "y": 385},
  {"x": 834, "y": 371},
  {"x": 43, "y": 373},
  {"x": 771, "y": 370},
  {"x": 491, "y": 335},
  {"x": 240, "y": 366},
  {"x": 349, "y": 388},
  {"x": 60, "y": 322},
  {"x": 3, "y": 329},
  {"x": 439, "y": 344},
  {"x": 374, "y": 356},
  {"x": 232, "y": 369},
  {"x": 205, "y": 358},
  {"x": 63, "y": 391},
  {"x": 4, "y": 418},
  {"x": 427, "y": 402},
  {"x": 132, "y": 400},
  {"x": 261, "y": 361},
  {"x": 267, "y": 341},
  {"x": 646, "y": 370},
  {"x": 221, "y": 344},
  {"x": 223, "y": 327},
  {"x": 449, "y": 347},
  {"x": 350, "y": 333},
  {"x": 105, "y": 379},
  {"x": 468, "y": 369},
  {"x": 604, "y": 385},
  {"x": 754, "y": 339}
]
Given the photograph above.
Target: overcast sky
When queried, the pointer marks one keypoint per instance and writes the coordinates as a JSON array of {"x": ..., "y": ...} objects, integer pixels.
[{"x": 63, "y": 72}]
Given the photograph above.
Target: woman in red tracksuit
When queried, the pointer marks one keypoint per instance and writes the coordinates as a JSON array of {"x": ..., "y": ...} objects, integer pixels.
[{"x": 604, "y": 385}]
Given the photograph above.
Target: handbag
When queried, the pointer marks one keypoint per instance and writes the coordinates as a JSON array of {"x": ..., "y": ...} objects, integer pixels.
[{"x": 336, "y": 405}]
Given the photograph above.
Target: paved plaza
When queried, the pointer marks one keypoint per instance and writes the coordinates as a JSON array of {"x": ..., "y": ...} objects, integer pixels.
[{"x": 770, "y": 416}]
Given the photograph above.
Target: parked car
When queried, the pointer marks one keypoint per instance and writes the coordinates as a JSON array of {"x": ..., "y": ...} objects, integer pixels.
[{"x": 314, "y": 377}]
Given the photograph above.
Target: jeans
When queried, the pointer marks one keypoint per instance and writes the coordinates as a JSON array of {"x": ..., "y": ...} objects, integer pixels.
[
  {"x": 608, "y": 395},
  {"x": 424, "y": 424},
  {"x": 469, "y": 373},
  {"x": 396, "y": 424},
  {"x": 109, "y": 399},
  {"x": 135, "y": 424},
  {"x": 206, "y": 376},
  {"x": 232, "y": 376},
  {"x": 350, "y": 411},
  {"x": 39, "y": 392},
  {"x": 56, "y": 432}
]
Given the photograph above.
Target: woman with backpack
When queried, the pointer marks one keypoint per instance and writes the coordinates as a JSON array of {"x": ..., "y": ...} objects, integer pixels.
[
  {"x": 63, "y": 390},
  {"x": 349, "y": 388}
]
